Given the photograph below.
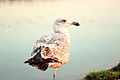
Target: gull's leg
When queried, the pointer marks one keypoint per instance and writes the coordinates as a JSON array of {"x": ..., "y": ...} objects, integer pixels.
[{"x": 54, "y": 75}]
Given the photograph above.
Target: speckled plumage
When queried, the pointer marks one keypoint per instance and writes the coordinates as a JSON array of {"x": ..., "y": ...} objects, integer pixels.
[{"x": 54, "y": 46}]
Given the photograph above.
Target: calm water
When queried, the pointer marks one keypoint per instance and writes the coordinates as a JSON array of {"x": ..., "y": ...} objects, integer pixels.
[{"x": 94, "y": 46}]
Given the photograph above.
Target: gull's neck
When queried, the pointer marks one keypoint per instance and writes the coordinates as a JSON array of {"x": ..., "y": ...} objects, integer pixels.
[{"x": 63, "y": 31}]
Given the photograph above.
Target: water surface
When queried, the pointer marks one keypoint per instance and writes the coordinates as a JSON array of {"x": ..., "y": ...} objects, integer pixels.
[{"x": 94, "y": 46}]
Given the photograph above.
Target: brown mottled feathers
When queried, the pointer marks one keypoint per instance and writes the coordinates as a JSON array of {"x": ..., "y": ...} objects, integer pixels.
[{"x": 52, "y": 48}]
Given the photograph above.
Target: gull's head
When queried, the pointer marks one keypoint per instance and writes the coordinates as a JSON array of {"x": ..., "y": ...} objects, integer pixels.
[
  {"x": 64, "y": 23},
  {"x": 61, "y": 23}
]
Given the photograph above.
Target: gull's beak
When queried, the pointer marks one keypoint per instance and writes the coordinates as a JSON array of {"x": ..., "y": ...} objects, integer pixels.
[{"x": 75, "y": 23}]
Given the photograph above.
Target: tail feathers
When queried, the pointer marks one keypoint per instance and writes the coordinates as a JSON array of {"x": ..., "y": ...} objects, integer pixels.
[
  {"x": 38, "y": 64},
  {"x": 43, "y": 67}
]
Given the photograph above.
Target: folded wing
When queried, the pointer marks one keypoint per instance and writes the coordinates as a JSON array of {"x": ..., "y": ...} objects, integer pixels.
[{"x": 49, "y": 49}]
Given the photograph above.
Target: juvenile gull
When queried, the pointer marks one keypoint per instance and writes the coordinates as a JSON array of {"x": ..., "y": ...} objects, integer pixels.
[{"x": 52, "y": 50}]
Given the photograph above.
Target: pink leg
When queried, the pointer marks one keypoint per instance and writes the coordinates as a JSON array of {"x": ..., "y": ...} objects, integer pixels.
[{"x": 54, "y": 75}]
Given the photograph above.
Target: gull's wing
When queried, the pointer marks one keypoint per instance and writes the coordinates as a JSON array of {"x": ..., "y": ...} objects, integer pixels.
[
  {"x": 41, "y": 42},
  {"x": 53, "y": 46}
]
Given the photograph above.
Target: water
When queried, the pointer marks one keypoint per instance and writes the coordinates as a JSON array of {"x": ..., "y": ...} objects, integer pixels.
[{"x": 94, "y": 46}]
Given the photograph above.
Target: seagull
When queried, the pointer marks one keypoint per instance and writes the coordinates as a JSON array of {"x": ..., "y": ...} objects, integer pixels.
[{"x": 52, "y": 50}]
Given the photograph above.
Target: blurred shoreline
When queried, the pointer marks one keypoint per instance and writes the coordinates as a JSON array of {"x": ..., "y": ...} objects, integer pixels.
[
  {"x": 24, "y": 0},
  {"x": 28, "y": 2}
]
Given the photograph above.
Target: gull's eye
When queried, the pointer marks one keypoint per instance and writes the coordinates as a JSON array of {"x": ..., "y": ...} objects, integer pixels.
[{"x": 63, "y": 21}]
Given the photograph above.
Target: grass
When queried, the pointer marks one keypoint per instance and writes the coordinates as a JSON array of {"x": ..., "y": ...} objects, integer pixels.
[
  {"x": 111, "y": 74},
  {"x": 101, "y": 75},
  {"x": 116, "y": 68}
]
